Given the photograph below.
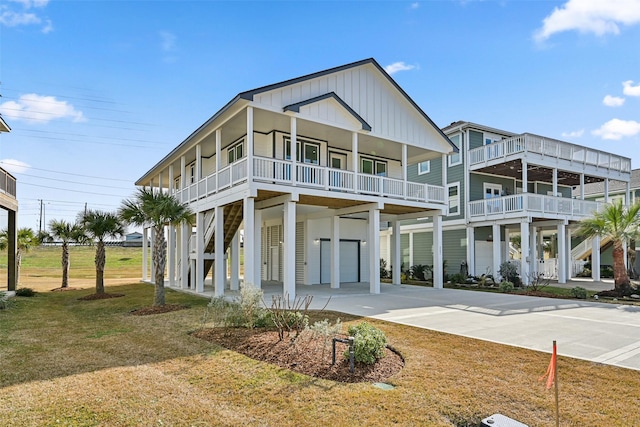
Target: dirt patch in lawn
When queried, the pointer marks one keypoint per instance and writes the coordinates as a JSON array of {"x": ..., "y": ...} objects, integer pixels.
[
  {"x": 167, "y": 308},
  {"x": 68, "y": 288},
  {"x": 309, "y": 354},
  {"x": 94, "y": 297}
]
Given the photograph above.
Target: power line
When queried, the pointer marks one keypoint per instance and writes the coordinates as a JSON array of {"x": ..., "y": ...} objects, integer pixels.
[
  {"x": 73, "y": 191},
  {"x": 91, "y": 136},
  {"x": 71, "y": 182},
  {"x": 64, "y": 173}
]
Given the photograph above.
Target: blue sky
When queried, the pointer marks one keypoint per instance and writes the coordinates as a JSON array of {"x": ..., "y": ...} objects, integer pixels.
[{"x": 96, "y": 92}]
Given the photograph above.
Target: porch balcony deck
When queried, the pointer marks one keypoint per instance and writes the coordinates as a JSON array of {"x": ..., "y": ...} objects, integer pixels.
[
  {"x": 538, "y": 148},
  {"x": 529, "y": 204},
  {"x": 275, "y": 171},
  {"x": 7, "y": 183}
]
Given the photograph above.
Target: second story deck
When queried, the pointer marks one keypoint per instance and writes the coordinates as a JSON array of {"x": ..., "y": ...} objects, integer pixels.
[{"x": 8, "y": 190}]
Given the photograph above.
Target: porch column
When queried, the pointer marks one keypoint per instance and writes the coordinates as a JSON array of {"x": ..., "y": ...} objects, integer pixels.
[
  {"x": 595, "y": 259},
  {"x": 438, "y": 273},
  {"x": 444, "y": 173},
  {"x": 354, "y": 160},
  {"x": 218, "y": 155},
  {"x": 289, "y": 251},
  {"x": 497, "y": 257},
  {"x": 294, "y": 150},
  {"x": 249, "y": 227},
  {"x": 250, "y": 143},
  {"x": 396, "y": 260},
  {"x": 257, "y": 249},
  {"x": 234, "y": 259},
  {"x": 555, "y": 182},
  {"x": 627, "y": 194},
  {"x": 606, "y": 190},
  {"x": 525, "y": 177},
  {"x": 199, "y": 273},
  {"x": 582, "y": 186},
  {"x": 171, "y": 241},
  {"x": 198, "y": 171},
  {"x": 404, "y": 165},
  {"x": 219, "y": 273},
  {"x": 561, "y": 257},
  {"x": 145, "y": 254},
  {"x": 471, "y": 250},
  {"x": 507, "y": 243},
  {"x": 171, "y": 249},
  {"x": 12, "y": 249},
  {"x": 624, "y": 254},
  {"x": 374, "y": 251},
  {"x": 185, "y": 234},
  {"x": 525, "y": 258},
  {"x": 183, "y": 173},
  {"x": 533, "y": 254},
  {"x": 410, "y": 251},
  {"x": 568, "y": 257},
  {"x": 335, "y": 252}
]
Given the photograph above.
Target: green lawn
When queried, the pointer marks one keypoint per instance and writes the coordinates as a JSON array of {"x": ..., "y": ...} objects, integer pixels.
[{"x": 91, "y": 363}]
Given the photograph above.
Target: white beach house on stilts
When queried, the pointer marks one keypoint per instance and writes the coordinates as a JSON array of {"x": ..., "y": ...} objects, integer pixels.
[{"x": 301, "y": 174}]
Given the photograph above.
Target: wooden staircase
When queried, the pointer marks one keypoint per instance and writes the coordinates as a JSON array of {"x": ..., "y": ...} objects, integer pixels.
[{"x": 233, "y": 215}]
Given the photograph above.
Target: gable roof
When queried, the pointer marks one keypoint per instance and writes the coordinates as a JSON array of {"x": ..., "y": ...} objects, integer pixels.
[
  {"x": 331, "y": 95},
  {"x": 248, "y": 96},
  {"x": 4, "y": 127}
]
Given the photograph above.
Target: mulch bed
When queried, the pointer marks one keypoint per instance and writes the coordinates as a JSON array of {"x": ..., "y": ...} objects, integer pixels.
[
  {"x": 167, "y": 308},
  {"x": 308, "y": 354},
  {"x": 94, "y": 297}
]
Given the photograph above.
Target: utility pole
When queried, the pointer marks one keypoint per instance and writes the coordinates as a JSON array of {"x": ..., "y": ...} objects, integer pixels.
[{"x": 40, "y": 228}]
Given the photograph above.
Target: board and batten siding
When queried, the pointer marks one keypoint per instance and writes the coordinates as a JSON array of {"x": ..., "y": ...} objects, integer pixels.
[{"x": 368, "y": 93}]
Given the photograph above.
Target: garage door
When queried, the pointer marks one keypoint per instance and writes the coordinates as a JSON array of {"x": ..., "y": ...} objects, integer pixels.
[{"x": 349, "y": 261}]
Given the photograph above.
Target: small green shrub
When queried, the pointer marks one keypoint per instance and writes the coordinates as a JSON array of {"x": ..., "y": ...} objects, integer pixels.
[
  {"x": 579, "y": 292},
  {"x": 419, "y": 271},
  {"x": 25, "y": 292},
  {"x": 369, "y": 343},
  {"x": 506, "y": 286},
  {"x": 458, "y": 278},
  {"x": 509, "y": 272}
]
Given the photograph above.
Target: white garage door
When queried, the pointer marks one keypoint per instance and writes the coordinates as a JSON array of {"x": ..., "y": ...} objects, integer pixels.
[{"x": 349, "y": 261}]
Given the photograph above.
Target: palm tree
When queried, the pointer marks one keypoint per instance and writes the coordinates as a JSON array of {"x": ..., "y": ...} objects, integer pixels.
[
  {"x": 621, "y": 224},
  {"x": 26, "y": 241},
  {"x": 156, "y": 209},
  {"x": 66, "y": 232},
  {"x": 98, "y": 225}
]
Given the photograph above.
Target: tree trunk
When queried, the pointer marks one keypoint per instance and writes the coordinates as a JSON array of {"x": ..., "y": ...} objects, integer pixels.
[
  {"x": 66, "y": 263},
  {"x": 620, "y": 276},
  {"x": 159, "y": 261},
  {"x": 18, "y": 264},
  {"x": 101, "y": 259}
]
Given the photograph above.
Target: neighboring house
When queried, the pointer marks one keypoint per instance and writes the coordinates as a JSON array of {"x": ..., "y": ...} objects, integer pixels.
[
  {"x": 132, "y": 240},
  {"x": 628, "y": 193},
  {"x": 503, "y": 187},
  {"x": 9, "y": 203},
  {"x": 306, "y": 169}
]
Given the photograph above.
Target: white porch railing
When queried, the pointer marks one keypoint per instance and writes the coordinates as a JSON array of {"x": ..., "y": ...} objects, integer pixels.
[
  {"x": 529, "y": 202},
  {"x": 313, "y": 176},
  {"x": 528, "y": 143}
]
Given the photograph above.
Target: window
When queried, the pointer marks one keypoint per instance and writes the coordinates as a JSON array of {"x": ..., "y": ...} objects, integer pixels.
[
  {"x": 424, "y": 167},
  {"x": 310, "y": 150},
  {"x": 235, "y": 152},
  {"x": 192, "y": 173},
  {"x": 456, "y": 158},
  {"x": 373, "y": 167},
  {"x": 453, "y": 191},
  {"x": 176, "y": 183}
]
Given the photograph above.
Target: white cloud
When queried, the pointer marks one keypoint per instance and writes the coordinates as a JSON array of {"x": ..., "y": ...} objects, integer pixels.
[
  {"x": 617, "y": 129},
  {"x": 398, "y": 66},
  {"x": 414, "y": 5},
  {"x": 573, "y": 134},
  {"x": 590, "y": 16},
  {"x": 629, "y": 89},
  {"x": 14, "y": 166},
  {"x": 613, "y": 101},
  {"x": 40, "y": 109},
  {"x": 9, "y": 17}
]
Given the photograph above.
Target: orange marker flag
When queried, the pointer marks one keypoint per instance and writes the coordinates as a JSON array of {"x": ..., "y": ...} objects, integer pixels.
[{"x": 551, "y": 370}]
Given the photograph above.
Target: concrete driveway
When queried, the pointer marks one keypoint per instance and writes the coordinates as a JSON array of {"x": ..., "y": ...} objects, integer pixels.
[{"x": 599, "y": 332}]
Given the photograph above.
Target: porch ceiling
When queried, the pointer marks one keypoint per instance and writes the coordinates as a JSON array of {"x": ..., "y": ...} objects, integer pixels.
[{"x": 513, "y": 169}]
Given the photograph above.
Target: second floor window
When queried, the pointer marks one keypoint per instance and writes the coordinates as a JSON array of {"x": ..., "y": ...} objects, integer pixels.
[
  {"x": 454, "y": 198},
  {"x": 309, "y": 152},
  {"x": 235, "y": 152},
  {"x": 424, "y": 167},
  {"x": 456, "y": 158},
  {"x": 373, "y": 167}
]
